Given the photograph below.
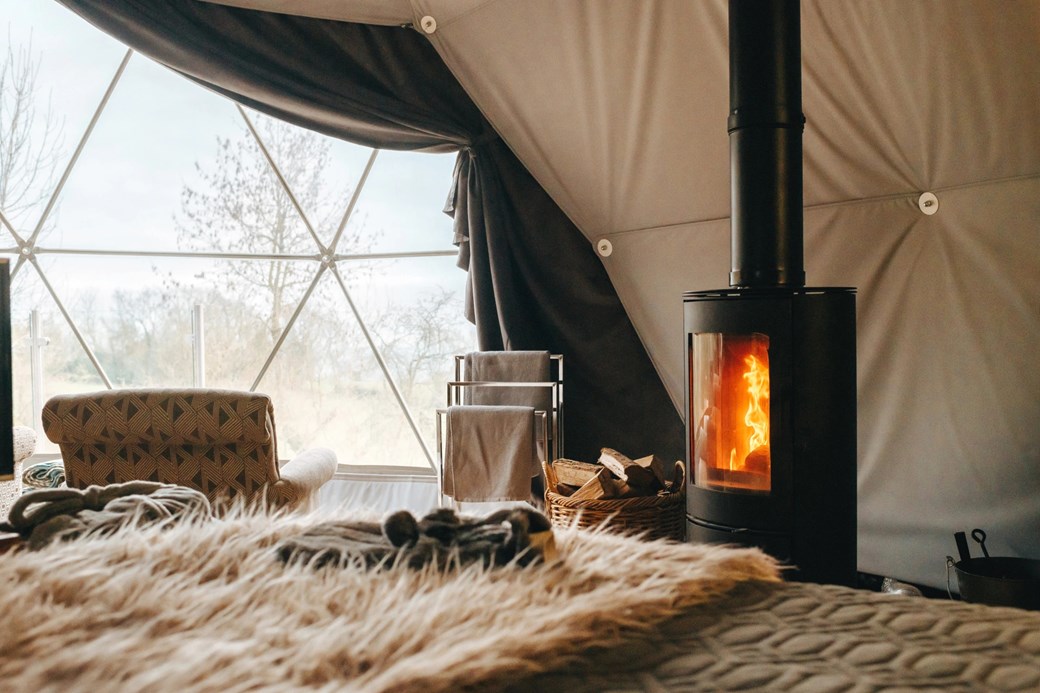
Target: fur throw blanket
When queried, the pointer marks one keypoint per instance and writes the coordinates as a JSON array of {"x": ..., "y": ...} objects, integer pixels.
[{"x": 204, "y": 604}]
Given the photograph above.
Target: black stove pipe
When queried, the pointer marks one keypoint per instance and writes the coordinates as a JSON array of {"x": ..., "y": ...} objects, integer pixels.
[{"x": 765, "y": 137}]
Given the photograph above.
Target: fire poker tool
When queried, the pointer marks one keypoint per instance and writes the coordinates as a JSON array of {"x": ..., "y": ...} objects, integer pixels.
[
  {"x": 980, "y": 536},
  {"x": 962, "y": 545}
]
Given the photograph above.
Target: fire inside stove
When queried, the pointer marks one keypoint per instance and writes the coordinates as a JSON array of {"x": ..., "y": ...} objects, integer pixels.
[{"x": 730, "y": 405}]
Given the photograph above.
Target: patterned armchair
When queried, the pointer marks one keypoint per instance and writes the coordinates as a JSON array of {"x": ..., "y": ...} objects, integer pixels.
[{"x": 220, "y": 442}]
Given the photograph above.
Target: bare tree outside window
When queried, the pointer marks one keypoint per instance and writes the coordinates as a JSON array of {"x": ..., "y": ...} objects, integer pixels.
[
  {"x": 419, "y": 339},
  {"x": 30, "y": 147},
  {"x": 242, "y": 208},
  {"x": 30, "y": 134}
]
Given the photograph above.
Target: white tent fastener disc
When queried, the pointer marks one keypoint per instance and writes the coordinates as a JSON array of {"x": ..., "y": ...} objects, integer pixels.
[{"x": 928, "y": 203}]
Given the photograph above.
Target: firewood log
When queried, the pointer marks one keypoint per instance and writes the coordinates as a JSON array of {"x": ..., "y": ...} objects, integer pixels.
[
  {"x": 566, "y": 489},
  {"x": 601, "y": 486},
  {"x": 638, "y": 474},
  {"x": 757, "y": 461},
  {"x": 656, "y": 467},
  {"x": 573, "y": 472}
]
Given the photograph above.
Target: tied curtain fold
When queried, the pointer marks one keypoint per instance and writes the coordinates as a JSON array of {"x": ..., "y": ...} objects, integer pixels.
[{"x": 534, "y": 282}]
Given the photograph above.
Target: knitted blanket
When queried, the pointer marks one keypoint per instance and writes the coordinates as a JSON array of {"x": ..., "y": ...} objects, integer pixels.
[{"x": 204, "y": 604}]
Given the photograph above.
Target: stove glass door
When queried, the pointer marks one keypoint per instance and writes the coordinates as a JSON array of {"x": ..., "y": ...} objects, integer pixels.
[{"x": 729, "y": 408}]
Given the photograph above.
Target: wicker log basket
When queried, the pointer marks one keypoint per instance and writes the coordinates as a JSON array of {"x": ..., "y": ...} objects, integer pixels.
[{"x": 655, "y": 517}]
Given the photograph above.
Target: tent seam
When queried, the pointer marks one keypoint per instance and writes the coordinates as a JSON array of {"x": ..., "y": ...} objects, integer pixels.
[
  {"x": 827, "y": 205},
  {"x": 416, "y": 11}
]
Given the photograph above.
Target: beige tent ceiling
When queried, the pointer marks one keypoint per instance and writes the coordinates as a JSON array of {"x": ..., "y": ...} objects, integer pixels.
[{"x": 619, "y": 110}]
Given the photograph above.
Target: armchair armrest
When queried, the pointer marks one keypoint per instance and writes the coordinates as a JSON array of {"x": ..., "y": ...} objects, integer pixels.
[
  {"x": 24, "y": 442},
  {"x": 304, "y": 474}
]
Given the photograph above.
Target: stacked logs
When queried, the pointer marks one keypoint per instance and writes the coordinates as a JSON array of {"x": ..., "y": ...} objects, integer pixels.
[{"x": 614, "y": 475}]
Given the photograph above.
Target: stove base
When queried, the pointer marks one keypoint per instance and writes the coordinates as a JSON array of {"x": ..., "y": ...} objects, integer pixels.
[{"x": 775, "y": 544}]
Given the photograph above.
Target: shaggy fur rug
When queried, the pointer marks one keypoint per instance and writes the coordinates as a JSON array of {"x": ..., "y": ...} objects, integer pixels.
[{"x": 206, "y": 606}]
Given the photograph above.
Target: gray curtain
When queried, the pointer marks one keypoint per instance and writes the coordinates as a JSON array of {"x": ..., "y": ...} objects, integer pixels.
[{"x": 534, "y": 281}]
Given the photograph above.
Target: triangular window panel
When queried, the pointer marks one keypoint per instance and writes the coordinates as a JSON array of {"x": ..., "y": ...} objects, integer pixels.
[
  {"x": 412, "y": 307},
  {"x": 329, "y": 391},
  {"x": 66, "y": 368},
  {"x": 62, "y": 67},
  {"x": 321, "y": 172},
  {"x": 400, "y": 208},
  {"x": 137, "y": 313},
  {"x": 148, "y": 178},
  {"x": 247, "y": 305}
]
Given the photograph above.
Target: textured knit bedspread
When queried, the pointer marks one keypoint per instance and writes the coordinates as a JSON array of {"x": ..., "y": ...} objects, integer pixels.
[{"x": 801, "y": 637}]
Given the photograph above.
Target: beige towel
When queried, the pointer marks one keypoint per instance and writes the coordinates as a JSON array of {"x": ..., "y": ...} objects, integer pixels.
[
  {"x": 508, "y": 366},
  {"x": 489, "y": 453}
]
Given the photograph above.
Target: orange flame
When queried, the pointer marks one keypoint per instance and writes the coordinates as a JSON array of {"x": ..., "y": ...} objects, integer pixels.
[{"x": 757, "y": 416}]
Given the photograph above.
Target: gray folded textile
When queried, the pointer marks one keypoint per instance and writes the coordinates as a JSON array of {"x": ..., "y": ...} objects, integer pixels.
[
  {"x": 508, "y": 366},
  {"x": 64, "y": 514},
  {"x": 489, "y": 453},
  {"x": 441, "y": 538}
]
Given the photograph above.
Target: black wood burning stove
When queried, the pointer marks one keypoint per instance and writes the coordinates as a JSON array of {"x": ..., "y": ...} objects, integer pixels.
[{"x": 770, "y": 363}]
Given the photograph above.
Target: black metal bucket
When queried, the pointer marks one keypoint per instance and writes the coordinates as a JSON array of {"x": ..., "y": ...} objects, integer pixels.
[{"x": 999, "y": 581}]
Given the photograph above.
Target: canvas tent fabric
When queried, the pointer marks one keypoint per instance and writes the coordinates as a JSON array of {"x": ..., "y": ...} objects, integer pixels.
[
  {"x": 629, "y": 136},
  {"x": 534, "y": 283},
  {"x": 619, "y": 111}
]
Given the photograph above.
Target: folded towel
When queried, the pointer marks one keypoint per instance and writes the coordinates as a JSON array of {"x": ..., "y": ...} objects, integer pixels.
[
  {"x": 508, "y": 366},
  {"x": 489, "y": 453}
]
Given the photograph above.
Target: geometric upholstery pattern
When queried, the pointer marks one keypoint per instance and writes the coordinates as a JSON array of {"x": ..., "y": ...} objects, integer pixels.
[{"x": 219, "y": 442}]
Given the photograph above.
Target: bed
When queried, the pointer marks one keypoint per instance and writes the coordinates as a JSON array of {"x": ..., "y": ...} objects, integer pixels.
[
  {"x": 804, "y": 637},
  {"x": 205, "y": 604}
]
